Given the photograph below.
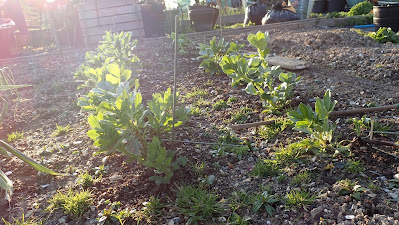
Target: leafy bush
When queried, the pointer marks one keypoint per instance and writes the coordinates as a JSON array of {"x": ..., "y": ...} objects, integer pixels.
[
  {"x": 361, "y": 8},
  {"x": 384, "y": 35},
  {"x": 316, "y": 122},
  {"x": 212, "y": 54}
]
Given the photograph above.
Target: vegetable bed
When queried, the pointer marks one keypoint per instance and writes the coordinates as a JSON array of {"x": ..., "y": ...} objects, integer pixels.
[{"x": 261, "y": 175}]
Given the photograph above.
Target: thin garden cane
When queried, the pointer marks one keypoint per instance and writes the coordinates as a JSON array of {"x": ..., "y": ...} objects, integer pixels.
[
  {"x": 333, "y": 113},
  {"x": 174, "y": 77}
]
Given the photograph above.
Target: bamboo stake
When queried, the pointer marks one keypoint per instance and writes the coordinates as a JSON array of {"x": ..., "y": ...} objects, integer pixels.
[
  {"x": 334, "y": 113},
  {"x": 174, "y": 77}
]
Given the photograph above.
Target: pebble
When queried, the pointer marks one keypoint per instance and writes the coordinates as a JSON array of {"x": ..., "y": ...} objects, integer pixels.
[
  {"x": 393, "y": 195},
  {"x": 62, "y": 220},
  {"x": 350, "y": 217},
  {"x": 174, "y": 221},
  {"x": 396, "y": 176}
]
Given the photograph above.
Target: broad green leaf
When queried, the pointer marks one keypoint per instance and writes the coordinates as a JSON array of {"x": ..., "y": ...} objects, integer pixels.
[
  {"x": 6, "y": 184},
  {"x": 26, "y": 159},
  {"x": 10, "y": 87}
]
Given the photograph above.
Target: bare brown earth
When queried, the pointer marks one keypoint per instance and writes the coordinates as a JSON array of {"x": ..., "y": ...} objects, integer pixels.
[{"x": 358, "y": 71}]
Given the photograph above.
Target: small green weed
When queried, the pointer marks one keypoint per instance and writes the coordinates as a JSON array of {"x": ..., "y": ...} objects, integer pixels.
[
  {"x": 22, "y": 221},
  {"x": 197, "y": 204},
  {"x": 201, "y": 102},
  {"x": 196, "y": 111},
  {"x": 196, "y": 92},
  {"x": 112, "y": 215},
  {"x": 226, "y": 140},
  {"x": 266, "y": 201},
  {"x": 220, "y": 104},
  {"x": 288, "y": 154},
  {"x": 101, "y": 170},
  {"x": 241, "y": 116},
  {"x": 199, "y": 168},
  {"x": 151, "y": 210},
  {"x": 236, "y": 219},
  {"x": 301, "y": 178},
  {"x": 232, "y": 99},
  {"x": 359, "y": 125},
  {"x": 15, "y": 136},
  {"x": 241, "y": 200},
  {"x": 73, "y": 204},
  {"x": 265, "y": 167},
  {"x": 373, "y": 186},
  {"x": 299, "y": 198},
  {"x": 345, "y": 186},
  {"x": 86, "y": 180},
  {"x": 61, "y": 130},
  {"x": 354, "y": 166},
  {"x": 270, "y": 131}
]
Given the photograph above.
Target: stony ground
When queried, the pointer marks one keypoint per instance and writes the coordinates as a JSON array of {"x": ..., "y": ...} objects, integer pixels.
[{"x": 358, "y": 71}]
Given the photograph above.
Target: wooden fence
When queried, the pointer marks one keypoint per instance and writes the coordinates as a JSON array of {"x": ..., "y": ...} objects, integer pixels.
[{"x": 98, "y": 16}]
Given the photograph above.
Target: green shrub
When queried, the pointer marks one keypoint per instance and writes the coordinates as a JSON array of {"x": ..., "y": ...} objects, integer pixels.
[
  {"x": 384, "y": 35},
  {"x": 361, "y": 8}
]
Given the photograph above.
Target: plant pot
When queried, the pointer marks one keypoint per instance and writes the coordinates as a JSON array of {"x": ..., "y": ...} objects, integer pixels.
[
  {"x": 152, "y": 20},
  {"x": 336, "y": 5},
  {"x": 203, "y": 18},
  {"x": 319, "y": 6},
  {"x": 386, "y": 16}
]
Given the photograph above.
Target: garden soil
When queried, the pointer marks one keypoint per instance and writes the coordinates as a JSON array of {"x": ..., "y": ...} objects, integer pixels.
[{"x": 358, "y": 71}]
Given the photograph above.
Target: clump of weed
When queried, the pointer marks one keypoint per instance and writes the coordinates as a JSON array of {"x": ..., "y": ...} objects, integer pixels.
[
  {"x": 73, "y": 204},
  {"x": 15, "y": 136},
  {"x": 265, "y": 167},
  {"x": 270, "y": 131},
  {"x": 196, "y": 92},
  {"x": 197, "y": 204},
  {"x": 22, "y": 221},
  {"x": 151, "y": 210},
  {"x": 86, "y": 180},
  {"x": 354, "y": 166},
  {"x": 61, "y": 130},
  {"x": 220, "y": 104},
  {"x": 301, "y": 178},
  {"x": 297, "y": 198},
  {"x": 241, "y": 116},
  {"x": 232, "y": 99}
]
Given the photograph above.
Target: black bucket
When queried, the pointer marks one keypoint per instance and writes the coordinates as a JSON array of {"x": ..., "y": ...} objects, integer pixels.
[
  {"x": 319, "y": 6},
  {"x": 152, "y": 20},
  {"x": 386, "y": 16},
  {"x": 336, "y": 5},
  {"x": 203, "y": 18}
]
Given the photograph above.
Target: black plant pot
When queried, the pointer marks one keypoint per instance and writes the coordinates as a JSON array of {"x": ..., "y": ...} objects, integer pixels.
[
  {"x": 386, "y": 16},
  {"x": 336, "y": 5},
  {"x": 203, "y": 18},
  {"x": 152, "y": 20},
  {"x": 319, "y": 6}
]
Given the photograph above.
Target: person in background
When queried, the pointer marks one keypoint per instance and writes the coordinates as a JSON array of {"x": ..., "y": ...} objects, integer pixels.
[{"x": 12, "y": 9}]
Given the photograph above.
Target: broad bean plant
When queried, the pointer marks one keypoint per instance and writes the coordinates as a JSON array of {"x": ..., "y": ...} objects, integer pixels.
[
  {"x": 274, "y": 87},
  {"x": 121, "y": 122}
]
